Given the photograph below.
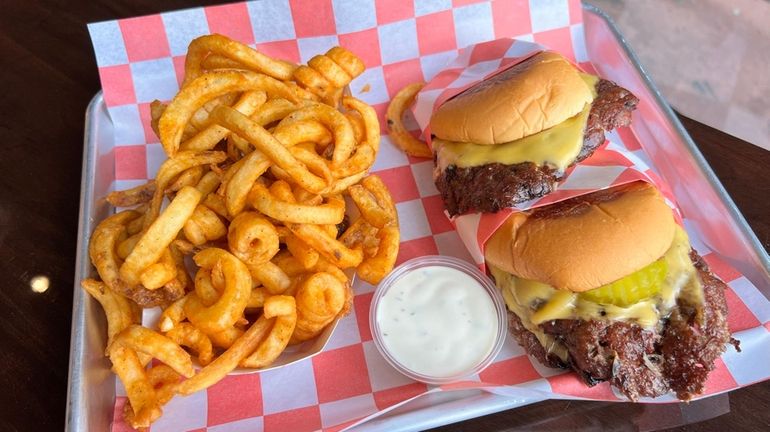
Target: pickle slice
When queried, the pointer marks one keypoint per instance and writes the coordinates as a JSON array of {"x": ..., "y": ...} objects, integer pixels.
[{"x": 631, "y": 289}]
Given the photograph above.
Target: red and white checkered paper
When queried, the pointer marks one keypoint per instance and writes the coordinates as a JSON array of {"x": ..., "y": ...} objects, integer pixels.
[{"x": 141, "y": 59}]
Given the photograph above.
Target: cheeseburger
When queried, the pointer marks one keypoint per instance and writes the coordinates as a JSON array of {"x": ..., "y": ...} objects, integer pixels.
[
  {"x": 510, "y": 138},
  {"x": 607, "y": 284}
]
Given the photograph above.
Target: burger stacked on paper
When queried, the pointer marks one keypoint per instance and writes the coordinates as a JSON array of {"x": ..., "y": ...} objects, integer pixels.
[
  {"x": 604, "y": 283},
  {"x": 511, "y": 138}
]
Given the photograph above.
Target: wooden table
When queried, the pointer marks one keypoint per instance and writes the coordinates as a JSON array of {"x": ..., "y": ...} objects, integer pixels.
[{"x": 47, "y": 77}]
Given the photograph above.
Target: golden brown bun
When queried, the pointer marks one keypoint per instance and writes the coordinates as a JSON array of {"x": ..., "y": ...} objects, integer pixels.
[
  {"x": 532, "y": 96},
  {"x": 588, "y": 241}
]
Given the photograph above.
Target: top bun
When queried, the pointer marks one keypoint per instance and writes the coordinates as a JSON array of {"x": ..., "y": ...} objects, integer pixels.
[
  {"x": 587, "y": 241},
  {"x": 525, "y": 99}
]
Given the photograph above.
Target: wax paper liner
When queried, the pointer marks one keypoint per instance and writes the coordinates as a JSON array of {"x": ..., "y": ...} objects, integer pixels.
[{"x": 141, "y": 59}]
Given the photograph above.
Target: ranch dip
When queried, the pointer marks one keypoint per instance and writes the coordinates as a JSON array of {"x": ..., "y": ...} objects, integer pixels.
[{"x": 437, "y": 321}]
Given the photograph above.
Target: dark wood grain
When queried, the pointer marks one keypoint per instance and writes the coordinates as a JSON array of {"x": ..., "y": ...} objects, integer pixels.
[
  {"x": 47, "y": 76},
  {"x": 743, "y": 171}
]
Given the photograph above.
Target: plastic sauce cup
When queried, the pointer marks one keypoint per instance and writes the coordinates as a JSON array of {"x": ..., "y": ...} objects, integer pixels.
[{"x": 438, "y": 319}]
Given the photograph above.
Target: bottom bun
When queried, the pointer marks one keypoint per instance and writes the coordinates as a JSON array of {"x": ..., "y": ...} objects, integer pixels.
[{"x": 676, "y": 356}]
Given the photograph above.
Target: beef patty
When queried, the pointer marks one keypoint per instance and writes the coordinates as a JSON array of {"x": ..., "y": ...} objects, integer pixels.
[
  {"x": 676, "y": 356},
  {"x": 491, "y": 187}
]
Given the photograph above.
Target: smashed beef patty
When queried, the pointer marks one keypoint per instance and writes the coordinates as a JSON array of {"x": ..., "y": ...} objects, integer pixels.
[{"x": 676, "y": 356}]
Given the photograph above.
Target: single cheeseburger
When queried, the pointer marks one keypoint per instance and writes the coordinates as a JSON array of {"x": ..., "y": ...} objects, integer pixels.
[
  {"x": 510, "y": 138},
  {"x": 608, "y": 285}
]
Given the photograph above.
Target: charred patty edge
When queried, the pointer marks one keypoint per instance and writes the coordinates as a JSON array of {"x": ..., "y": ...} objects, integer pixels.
[{"x": 676, "y": 356}]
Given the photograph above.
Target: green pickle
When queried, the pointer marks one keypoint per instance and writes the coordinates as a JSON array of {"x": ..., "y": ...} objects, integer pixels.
[{"x": 631, "y": 289}]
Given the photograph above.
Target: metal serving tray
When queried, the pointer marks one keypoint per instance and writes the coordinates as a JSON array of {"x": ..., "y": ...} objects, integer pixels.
[{"x": 91, "y": 390}]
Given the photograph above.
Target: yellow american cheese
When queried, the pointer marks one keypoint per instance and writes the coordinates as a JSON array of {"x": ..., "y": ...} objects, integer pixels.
[{"x": 557, "y": 146}]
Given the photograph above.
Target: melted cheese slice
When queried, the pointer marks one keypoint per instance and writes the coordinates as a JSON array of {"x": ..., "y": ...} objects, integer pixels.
[
  {"x": 557, "y": 146},
  {"x": 535, "y": 302},
  {"x": 590, "y": 81}
]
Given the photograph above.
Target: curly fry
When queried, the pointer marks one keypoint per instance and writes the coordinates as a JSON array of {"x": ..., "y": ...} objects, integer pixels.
[
  {"x": 142, "y": 339},
  {"x": 102, "y": 246},
  {"x": 207, "y": 293},
  {"x": 284, "y": 310},
  {"x": 325, "y": 75},
  {"x": 205, "y": 88},
  {"x": 188, "y": 177},
  {"x": 190, "y": 336},
  {"x": 160, "y": 273},
  {"x": 116, "y": 307},
  {"x": 172, "y": 168},
  {"x": 332, "y": 212},
  {"x": 204, "y": 226},
  {"x": 401, "y": 137},
  {"x": 159, "y": 235},
  {"x": 142, "y": 397},
  {"x": 172, "y": 315},
  {"x": 242, "y": 54},
  {"x": 374, "y": 201},
  {"x": 369, "y": 116},
  {"x": 228, "y": 309},
  {"x": 252, "y": 238},
  {"x": 271, "y": 276},
  {"x": 375, "y": 268},
  {"x": 131, "y": 197},
  {"x": 307, "y": 256},
  {"x": 229, "y": 360},
  {"x": 265, "y": 142},
  {"x": 336, "y": 252},
  {"x": 164, "y": 379},
  {"x": 333, "y": 120},
  {"x": 320, "y": 299},
  {"x": 213, "y": 134}
]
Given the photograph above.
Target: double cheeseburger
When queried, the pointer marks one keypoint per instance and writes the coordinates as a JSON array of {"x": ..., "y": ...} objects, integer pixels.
[
  {"x": 607, "y": 284},
  {"x": 510, "y": 138}
]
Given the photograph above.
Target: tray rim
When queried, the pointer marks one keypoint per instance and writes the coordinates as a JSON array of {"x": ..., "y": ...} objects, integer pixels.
[{"x": 76, "y": 416}]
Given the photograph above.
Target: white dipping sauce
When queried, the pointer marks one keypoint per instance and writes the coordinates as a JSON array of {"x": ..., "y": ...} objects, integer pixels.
[{"x": 437, "y": 321}]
